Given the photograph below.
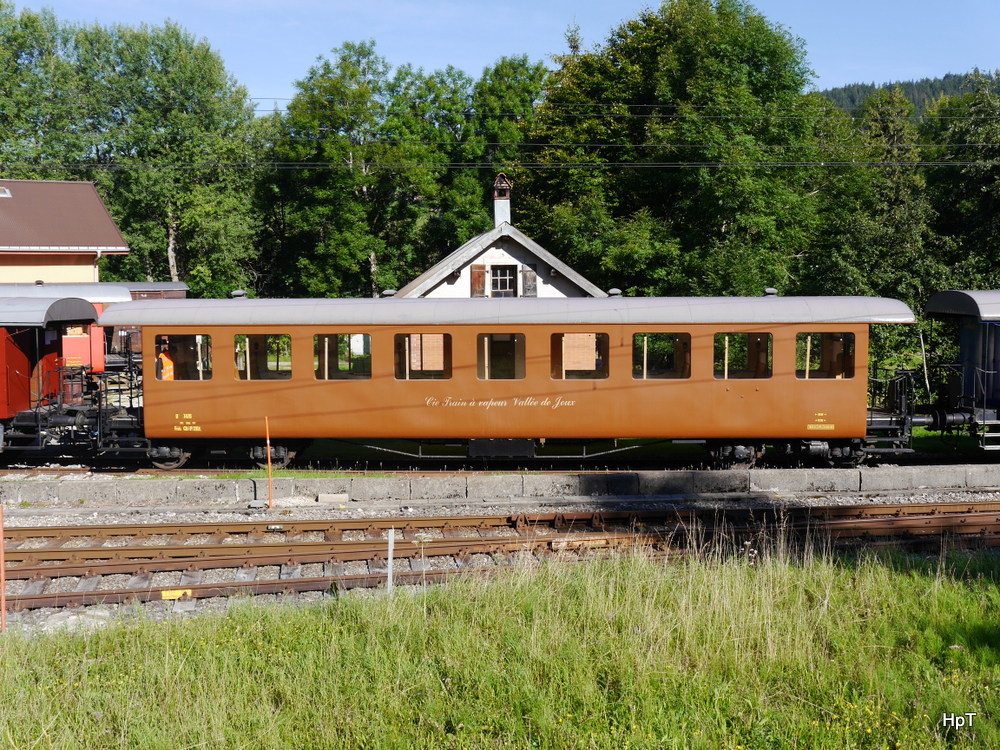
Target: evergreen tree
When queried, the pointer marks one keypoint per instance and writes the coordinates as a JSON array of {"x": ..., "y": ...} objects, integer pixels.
[{"x": 965, "y": 186}]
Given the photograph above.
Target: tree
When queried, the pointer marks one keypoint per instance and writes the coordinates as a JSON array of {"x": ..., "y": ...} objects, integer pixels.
[
  {"x": 151, "y": 116},
  {"x": 877, "y": 236},
  {"x": 965, "y": 186},
  {"x": 504, "y": 101},
  {"x": 384, "y": 179},
  {"x": 37, "y": 107},
  {"x": 176, "y": 158},
  {"x": 667, "y": 133},
  {"x": 330, "y": 136}
]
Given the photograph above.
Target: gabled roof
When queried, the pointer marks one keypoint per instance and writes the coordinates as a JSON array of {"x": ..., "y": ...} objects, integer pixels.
[
  {"x": 478, "y": 245},
  {"x": 41, "y": 216}
]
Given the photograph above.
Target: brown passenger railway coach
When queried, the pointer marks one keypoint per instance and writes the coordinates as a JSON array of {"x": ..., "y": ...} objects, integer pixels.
[{"x": 505, "y": 374}]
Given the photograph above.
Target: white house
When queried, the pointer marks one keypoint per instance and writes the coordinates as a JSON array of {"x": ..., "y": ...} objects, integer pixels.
[{"x": 503, "y": 262}]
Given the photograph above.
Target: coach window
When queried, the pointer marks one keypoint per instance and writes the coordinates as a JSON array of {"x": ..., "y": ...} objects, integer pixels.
[
  {"x": 824, "y": 356},
  {"x": 342, "y": 356},
  {"x": 742, "y": 355},
  {"x": 423, "y": 356},
  {"x": 263, "y": 356},
  {"x": 187, "y": 357},
  {"x": 661, "y": 356},
  {"x": 579, "y": 356},
  {"x": 500, "y": 356}
]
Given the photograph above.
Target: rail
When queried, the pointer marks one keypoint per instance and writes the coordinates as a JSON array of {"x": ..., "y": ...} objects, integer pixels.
[{"x": 83, "y": 565}]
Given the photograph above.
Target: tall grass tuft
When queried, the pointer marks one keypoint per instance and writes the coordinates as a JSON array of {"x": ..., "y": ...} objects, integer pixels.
[{"x": 755, "y": 648}]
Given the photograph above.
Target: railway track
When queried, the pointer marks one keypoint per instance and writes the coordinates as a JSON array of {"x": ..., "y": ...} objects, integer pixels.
[
  {"x": 82, "y": 565},
  {"x": 66, "y": 566}
]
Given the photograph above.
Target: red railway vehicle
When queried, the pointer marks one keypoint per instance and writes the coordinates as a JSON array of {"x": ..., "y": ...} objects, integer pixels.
[
  {"x": 81, "y": 345},
  {"x": 34, "y": 332}
]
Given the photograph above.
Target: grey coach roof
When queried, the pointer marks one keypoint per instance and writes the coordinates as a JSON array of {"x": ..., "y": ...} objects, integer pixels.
[
  {"x": 984, "y": 305},
  {"x": 493, "y": 311},
  {"x": 40, "y": 311},
  {"x": 142, "y": 286},
  {"x": 100, "y": 292}
]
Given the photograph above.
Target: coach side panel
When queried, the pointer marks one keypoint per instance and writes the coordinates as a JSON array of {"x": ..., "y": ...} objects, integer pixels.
[{"x": 694, "y": 381}]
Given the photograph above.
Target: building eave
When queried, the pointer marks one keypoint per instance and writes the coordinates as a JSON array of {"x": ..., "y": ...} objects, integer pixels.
[{"x": 52, "y": 250}]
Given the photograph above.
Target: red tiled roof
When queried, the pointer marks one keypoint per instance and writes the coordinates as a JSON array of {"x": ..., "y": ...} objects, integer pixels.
[{"x": 46, "y": 216}]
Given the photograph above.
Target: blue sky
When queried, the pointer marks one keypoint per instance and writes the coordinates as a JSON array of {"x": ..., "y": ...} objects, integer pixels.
[{"x": 269, "y": 44}]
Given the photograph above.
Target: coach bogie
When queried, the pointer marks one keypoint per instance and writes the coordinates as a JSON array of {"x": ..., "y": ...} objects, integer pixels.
[
  {"x": 168, "y": 457},
  {"x": 280, "y": 456},
  {"x": 731, "y": 456}
]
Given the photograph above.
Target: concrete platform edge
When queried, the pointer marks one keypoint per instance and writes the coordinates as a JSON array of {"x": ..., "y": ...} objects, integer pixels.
[{"x": 487, "y": 488}]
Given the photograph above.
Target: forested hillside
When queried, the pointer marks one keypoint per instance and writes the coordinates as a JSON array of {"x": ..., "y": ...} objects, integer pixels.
[
  {"x": 679, "y": 156},
  {"x": 922, "y": 94}
]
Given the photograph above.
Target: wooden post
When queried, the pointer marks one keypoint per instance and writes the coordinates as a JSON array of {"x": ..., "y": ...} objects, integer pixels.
[
  {"x": 3, "y": 577},
  {"x": 389, "y": 561},
  {"x": 267, "y": 448}
]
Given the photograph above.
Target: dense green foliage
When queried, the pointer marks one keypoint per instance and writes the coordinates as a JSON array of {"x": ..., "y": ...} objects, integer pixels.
[
  {"x": 756, "y": 650},
  {"x": 684, "y": 155},
  {"x": 113, "y": 105}
]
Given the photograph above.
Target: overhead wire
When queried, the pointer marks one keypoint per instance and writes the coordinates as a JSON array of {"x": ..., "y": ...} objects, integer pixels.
[
  {"x": 533, "y": 166},
  {"x": 26, "y": 154}
]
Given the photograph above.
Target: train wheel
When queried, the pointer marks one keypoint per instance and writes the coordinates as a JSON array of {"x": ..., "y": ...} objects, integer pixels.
[
  {"x": 849, "y": 455},
  {"x": 727, "y": 456},
  {"x": 281, "y": 456},
  {"x": 169, "y": 458}
]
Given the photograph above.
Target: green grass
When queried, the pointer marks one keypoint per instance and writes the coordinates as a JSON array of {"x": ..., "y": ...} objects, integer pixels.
[{"x": 768, "y": 650}]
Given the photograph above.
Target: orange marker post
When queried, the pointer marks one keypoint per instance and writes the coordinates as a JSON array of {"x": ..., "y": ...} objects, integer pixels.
[{"x": 267, "y": 447}]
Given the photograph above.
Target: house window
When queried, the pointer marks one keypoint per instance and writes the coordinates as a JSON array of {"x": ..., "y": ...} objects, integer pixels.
[{"x": 503, "y": 281}]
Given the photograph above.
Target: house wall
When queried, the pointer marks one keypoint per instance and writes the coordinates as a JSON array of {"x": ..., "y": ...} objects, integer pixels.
[
  {"x": 505, "y": 254},
  {"x": 26, "y": 268}
]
